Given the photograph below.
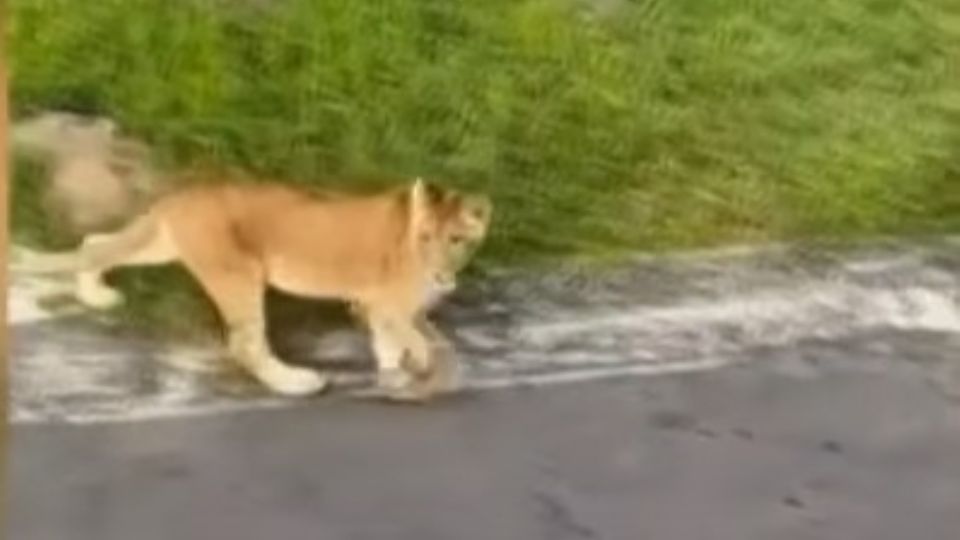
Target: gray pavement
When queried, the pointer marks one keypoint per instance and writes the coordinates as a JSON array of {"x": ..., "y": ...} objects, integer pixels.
[
  {"x": 772, "y": 394},
  {"x": 849, "y": 439}
]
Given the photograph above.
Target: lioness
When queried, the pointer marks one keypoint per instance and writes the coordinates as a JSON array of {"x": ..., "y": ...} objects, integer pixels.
[
  {"x": 389, "y": 254},
  {"x": 97, "y": 178}
]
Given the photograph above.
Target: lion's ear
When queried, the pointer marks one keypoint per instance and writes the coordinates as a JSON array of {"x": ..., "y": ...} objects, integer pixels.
[
  {"x": 419, "y": 205},
  {"x": 479, "y": 207},
  {"x": 419, "y": 187}
]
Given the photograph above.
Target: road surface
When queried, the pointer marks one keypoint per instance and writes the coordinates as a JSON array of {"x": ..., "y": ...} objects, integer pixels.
[{"x": 756, "y": 395}]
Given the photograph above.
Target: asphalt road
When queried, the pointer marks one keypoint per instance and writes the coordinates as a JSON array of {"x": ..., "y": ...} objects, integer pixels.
[
  {"x": 762, "y": 394},
  {"x": 853, "y": 438}
]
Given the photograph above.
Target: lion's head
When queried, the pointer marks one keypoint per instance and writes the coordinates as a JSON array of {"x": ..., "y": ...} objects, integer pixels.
[{"x": 449, "y": 227}]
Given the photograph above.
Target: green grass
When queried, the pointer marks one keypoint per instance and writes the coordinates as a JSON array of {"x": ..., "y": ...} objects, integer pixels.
[{"x": 662, "y": 125}]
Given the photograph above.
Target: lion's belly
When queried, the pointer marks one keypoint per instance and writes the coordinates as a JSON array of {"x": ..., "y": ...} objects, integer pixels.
[{"x": 333, "y": 281}]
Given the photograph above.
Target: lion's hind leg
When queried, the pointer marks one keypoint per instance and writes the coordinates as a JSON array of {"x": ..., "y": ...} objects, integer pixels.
[{"x": 142, "y": 243}]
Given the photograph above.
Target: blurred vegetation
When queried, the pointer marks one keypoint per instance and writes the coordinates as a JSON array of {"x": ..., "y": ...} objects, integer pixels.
[{"x": 598, "y": 126}]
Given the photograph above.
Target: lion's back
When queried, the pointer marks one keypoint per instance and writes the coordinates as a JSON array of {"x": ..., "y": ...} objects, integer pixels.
[{"x": 306, "y": 243}]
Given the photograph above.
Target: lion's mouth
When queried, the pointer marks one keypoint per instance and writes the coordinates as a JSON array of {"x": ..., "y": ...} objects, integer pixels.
[{"x": 437, "y": 288}]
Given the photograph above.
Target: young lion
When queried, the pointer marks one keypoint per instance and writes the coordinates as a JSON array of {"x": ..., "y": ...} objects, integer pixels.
[
  {"x": 390, "y": 255},
  {"x": 97, "y": 177}
]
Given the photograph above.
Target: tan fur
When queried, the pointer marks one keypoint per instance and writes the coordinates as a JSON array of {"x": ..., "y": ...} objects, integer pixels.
[
  {"x": 97, "y": 178},
  {"x": 391, "y": 255}
]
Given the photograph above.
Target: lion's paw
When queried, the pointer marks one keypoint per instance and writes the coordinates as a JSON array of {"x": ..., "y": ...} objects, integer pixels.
[
  {"x": 293, "y": 381},
  {"x": 100, "y": 297}
]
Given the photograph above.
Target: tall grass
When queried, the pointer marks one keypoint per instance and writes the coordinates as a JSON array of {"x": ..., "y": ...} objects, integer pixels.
[{"x": 647, "y": 124}]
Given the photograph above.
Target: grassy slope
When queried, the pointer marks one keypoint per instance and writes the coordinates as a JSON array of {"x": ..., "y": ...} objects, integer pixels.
[{"x": 666, "y": 124}]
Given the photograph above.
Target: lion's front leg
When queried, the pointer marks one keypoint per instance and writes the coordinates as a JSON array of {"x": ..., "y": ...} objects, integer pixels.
[
  {"x": 445, "y": 375},
  {"x": 390, "y": 349},
  {"x": 247, "y": 343},
  {"x": 414, "y": 360}
]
